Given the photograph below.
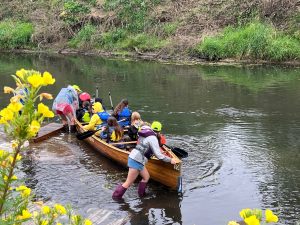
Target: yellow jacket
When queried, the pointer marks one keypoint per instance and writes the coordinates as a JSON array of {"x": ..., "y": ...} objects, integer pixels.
[{"x": 95, "y": 120}]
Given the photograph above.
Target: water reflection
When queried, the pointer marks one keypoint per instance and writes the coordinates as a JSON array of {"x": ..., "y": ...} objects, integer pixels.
[{"x": 240, "y": 125}]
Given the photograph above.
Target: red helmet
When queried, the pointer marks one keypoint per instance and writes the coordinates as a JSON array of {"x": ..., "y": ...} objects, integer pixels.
[{"x": 84, "y": 96}]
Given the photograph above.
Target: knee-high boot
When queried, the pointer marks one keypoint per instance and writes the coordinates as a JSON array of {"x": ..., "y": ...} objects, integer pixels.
[
  {"x": 119, "y": 192},
  {"x": 142, "y": 189}
]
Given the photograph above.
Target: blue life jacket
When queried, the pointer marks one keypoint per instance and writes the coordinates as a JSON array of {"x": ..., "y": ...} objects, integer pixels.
[
  {"x": 103, "y": 116},
  {"x": 124, "y": 114}
]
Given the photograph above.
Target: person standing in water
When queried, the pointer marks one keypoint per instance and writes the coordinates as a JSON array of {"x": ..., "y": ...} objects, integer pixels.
[{"x": 146, "y": 147}]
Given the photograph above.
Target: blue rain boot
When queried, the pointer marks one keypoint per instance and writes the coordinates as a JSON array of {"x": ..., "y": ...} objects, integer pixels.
[
  {"x": 142, "y": 189},
  {"x": 119, "y": 192}
]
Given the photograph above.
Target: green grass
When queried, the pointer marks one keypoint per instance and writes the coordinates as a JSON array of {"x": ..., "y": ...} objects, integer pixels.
[
  {"x": 85, "y": 38},
  {"x": 15, "y": 35},
  {"x": 256, "y": 41}
]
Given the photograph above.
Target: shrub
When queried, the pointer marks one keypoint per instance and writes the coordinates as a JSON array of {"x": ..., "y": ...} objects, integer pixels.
[
  {"x": 85, "y": 38},
  {"x": 15, "y": 34},
  {"x": 252, "y": 41}
]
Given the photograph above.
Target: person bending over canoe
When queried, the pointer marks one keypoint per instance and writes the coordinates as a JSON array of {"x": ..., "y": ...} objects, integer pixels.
[
  {"x": 98, "y": 119},
  {"x": 65, "y": 105},
  {"x": 146, "y": 147}
]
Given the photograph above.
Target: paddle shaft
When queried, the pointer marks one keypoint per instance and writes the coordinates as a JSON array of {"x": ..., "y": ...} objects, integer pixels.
[{"x": 111, "y": 103}]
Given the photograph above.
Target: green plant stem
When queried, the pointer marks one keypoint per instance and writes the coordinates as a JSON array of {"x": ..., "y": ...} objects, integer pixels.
[{"x": 11, "y": 172}]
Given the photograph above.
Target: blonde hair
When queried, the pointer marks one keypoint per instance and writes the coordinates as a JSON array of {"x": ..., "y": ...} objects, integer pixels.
[{"x": 135, "y": 116}]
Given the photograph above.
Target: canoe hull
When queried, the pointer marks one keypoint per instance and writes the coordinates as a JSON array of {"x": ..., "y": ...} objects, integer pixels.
[{"x": 162, "y": 172}]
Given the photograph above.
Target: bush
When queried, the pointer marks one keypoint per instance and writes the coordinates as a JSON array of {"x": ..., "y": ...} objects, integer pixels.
[
  {"x": 85, "y": 38},
  {"x": 15, "y": 34},
  {"x": 252, "y": 41}
]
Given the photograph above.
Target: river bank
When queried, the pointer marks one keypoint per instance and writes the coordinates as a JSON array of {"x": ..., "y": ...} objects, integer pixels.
[{"x": 161, "y": 58}]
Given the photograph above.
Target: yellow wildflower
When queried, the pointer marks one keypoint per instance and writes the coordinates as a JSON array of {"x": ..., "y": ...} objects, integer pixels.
[
  {"x": 25, "y": 215},
  {"x": 233, "y": 223},
  {"x": 245, "y": 213},
  {"x": 21, "y": 73},
  {"x": 14, "y": 177},
  {"x": 34, "y": 128},
  {"x": 46, "y": 209},
  {"x": 19, "y": 157},
  {"x": 46, "y": 96},
  {"x": 21, "y": 188},
  {"x": 252, "y": 220},
  {"x": 8, "y": 90},
  {"x": 87, "y": 222},
  {"x": 47, "y": 78},
  {"x": 270, "y": 217},
  {"x": 14, "y": 144},
  {"x": 58, "y": 224},
  {"x": 35, "y": 80},
  {"x": 15, "y": 106},
  {"x": 16, "y": 98},
  {"x": 43, "y": 109},
  {"x": 60, "y": 209},
  {"x": 7, "y": 114},
  {"x": 10, "y": 159},
  {"x": 44, "y": 222},
  {"x": 26, "y": 192}
]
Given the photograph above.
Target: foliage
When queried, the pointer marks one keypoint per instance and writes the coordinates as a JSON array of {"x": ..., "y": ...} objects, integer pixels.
[
  {"x": 253, "y": 41},
  {"x": 255, "y": 217},
  {"x": 120, "y": 40},
  {"x": 15, "y": 34},
  {"x": 21, "y": 121},
  {"x": 85, "y": 38},
  {"x": 132, "y": 14},
  {"x": 169, "y": 28},
  {"x": 74, "y": 11}
]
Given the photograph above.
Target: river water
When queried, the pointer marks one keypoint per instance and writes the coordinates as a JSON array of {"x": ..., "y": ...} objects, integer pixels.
[{"x": 240, "y": 125}]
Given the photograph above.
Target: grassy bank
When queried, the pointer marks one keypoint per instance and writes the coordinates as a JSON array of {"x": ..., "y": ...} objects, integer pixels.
[{"x": 201, "y": 30}]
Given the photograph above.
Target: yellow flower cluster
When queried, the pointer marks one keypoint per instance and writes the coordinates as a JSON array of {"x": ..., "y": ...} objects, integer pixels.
[
  {"x": 254, "y": 217},
  {"x": 28, "y": 83}
]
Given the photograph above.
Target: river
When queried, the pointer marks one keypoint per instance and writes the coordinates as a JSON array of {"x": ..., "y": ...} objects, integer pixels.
[{"x": 240, "y": 125}]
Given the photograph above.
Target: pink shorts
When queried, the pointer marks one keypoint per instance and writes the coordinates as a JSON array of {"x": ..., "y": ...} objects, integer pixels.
[{"x": 67, "y": 109}]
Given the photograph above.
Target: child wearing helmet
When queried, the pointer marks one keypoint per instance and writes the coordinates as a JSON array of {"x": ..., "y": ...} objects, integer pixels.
[{"x": 156, "y": 127}]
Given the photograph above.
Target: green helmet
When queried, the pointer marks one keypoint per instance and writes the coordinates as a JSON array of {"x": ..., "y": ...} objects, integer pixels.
[{"x": 156, "y": 126}]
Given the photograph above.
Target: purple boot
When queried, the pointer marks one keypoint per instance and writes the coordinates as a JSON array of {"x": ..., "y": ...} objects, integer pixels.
[
  {"x": 142, "y": 188},
  {"x": 119, "y": 192}
]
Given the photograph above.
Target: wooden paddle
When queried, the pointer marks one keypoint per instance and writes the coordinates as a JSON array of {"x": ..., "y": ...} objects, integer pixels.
[
  {"x": 89, "y": 133},
  {"x": 178, "y": 152}
]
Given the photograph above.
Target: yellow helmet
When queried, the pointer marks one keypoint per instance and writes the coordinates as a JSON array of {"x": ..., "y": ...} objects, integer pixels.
[
  {"x": 156, "y": 126},
  {"x": 76, "y": 87}
]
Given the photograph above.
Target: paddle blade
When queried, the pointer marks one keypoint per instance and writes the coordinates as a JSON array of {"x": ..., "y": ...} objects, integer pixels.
[
  {"x": 180, "y": 152},
  {"x": 85, "y": 135}
]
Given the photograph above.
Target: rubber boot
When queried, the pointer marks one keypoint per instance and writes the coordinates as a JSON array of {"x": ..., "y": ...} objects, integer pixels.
[
  {"x": 73, "y": 129},
  {"x": 142, "y": 189},
  {"x": 119, "y": 192}
]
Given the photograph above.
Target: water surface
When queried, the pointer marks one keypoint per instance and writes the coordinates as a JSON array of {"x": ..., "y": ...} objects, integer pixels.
[{"x": 240, "y": 125}]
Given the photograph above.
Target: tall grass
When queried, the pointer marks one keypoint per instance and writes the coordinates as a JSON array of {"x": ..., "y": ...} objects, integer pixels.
[
  {"x": 15, "y": 34},
  {"x": 85, "y": 38},
  {"x": 256, "y": 41}
]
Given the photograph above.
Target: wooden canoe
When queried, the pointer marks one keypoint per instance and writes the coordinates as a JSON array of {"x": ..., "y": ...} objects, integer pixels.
[{"x": 162, "y": 172}]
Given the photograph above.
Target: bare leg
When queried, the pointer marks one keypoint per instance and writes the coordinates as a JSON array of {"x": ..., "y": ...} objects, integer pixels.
[
  {"x": 145, "y": 175},
  {"x": 132, "y": 175},
  {"x": 64, "y": 119},
  {"x": 70, "y": 117}
]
